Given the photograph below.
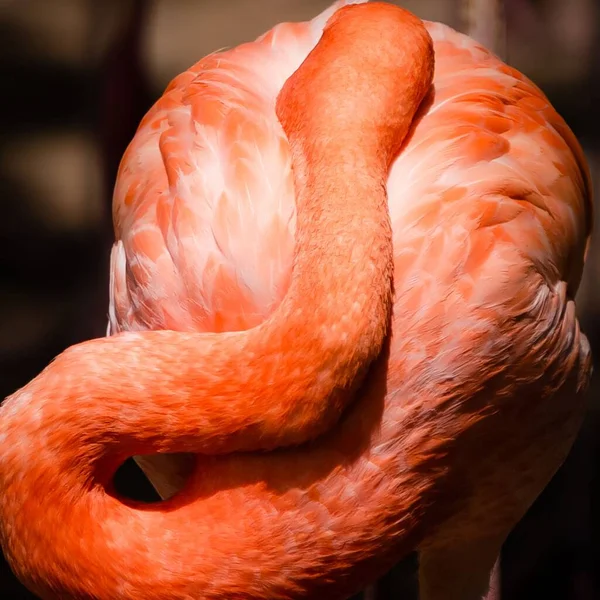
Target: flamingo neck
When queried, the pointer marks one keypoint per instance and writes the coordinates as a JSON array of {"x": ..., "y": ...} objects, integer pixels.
[{"x": 346, "y": 112}]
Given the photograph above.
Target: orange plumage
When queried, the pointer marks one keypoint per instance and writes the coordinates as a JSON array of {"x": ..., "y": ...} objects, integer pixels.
[{"x": 329, "y": 250}]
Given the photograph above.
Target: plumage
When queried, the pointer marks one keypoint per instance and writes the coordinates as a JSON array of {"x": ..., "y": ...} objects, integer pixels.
[{"x": 476, "y": 390}]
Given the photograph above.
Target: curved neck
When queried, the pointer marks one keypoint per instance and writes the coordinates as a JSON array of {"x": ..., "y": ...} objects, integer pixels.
[{"x": 346, "y": 112}]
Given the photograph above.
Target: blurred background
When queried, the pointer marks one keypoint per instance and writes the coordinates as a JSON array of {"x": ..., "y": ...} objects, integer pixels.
[{"x": 78, "y": 75}]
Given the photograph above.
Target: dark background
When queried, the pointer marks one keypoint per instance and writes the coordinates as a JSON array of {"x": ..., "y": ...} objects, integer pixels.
[{"x": 78, "y": 75}]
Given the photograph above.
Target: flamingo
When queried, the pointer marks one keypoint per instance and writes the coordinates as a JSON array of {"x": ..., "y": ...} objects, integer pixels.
[{"x": 343, "y": 280}]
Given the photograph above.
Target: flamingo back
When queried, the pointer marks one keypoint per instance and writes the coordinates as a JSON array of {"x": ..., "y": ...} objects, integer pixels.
[{"x": 204, "y": 206}]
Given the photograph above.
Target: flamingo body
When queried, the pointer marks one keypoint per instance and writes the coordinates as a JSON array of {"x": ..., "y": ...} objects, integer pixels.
[{"x": 474, "y": 394}]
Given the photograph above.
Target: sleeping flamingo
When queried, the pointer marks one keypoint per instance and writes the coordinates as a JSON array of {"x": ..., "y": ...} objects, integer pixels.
[{"x": 344, "y": 282}]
